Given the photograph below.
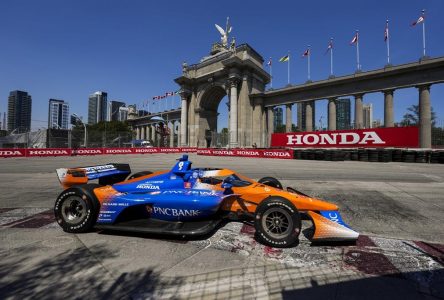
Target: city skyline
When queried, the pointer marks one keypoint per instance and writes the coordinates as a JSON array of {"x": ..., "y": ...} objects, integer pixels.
[{"x": 142, "y": 58}]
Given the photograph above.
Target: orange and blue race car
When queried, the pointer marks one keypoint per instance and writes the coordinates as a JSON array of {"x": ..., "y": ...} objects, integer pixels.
[{"x": 188, "y": 201}]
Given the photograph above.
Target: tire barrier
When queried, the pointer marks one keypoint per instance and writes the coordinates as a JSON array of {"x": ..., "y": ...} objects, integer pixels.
[{"x": 372, "y": 155}]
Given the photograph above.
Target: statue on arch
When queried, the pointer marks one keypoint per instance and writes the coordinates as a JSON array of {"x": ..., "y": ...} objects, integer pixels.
[{"x": 224, "y": 33}]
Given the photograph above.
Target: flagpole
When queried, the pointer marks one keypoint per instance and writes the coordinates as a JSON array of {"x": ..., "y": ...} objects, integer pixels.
[
  {"x": 423, "y": 34},
  {"x": 357, "y": 50},
  {"x": 271, "y": 72},
  {"x": 388, "y": 42},
  {"x": 288, "y": 66},
  {"x": 309, "y": 54},
  {"x": 331, "y": 57}
]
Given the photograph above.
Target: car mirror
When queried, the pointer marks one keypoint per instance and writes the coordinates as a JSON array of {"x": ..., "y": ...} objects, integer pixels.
[{"x": 226, "y": 185}]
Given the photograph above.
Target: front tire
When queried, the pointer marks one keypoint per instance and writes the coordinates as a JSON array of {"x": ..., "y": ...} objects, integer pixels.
[
  {"x": 76, "y": 209},
  {"x": 277, "y": 223},
  {"x": 271, "y": 181}
]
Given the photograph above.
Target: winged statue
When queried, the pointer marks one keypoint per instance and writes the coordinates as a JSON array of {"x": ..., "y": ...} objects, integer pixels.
[{"x": 224, "y": 32}]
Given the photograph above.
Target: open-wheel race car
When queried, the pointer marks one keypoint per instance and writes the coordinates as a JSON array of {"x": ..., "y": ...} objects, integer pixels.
[{"x": 190, "y": 201}]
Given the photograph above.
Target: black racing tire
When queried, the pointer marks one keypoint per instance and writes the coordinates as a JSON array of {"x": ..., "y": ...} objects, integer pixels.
[
  {"x": 76, "y": 208},
  {"x": 271, "y": 181},
  {"x": 277, "y": 223},
  {"x": 139, "y": 174}
]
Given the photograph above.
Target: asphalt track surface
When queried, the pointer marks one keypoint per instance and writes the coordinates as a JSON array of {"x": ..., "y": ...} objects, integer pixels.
[{"x": 397, "y": 207}]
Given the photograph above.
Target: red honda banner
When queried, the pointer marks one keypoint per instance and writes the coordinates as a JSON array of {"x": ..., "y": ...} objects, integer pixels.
[
  {"x": 260, "y": 153},
  {"x": 48, "y": 152},
  {"x": 88, "y": 151},
  {"x": 360, "y": 138},
  {"x": 145, "y": 150},
  {"x": 189, "y": 149},
  {"x": 12, "y": 152},
  {"x": 119, "y": 150}
]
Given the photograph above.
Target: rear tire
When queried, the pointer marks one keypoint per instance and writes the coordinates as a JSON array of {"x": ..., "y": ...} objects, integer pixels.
[
  {"x": 271, "y": 181},
  {"x": 76, "y": 209},
  {"x": 139, "y": 174},
  {"x": 277, "y": 223}
]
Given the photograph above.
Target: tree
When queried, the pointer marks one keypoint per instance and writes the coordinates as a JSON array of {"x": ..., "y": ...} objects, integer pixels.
[{"x": 412, "y": 116}]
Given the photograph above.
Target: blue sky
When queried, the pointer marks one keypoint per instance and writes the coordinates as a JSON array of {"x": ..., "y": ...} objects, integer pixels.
[{"x": 134, "y": 49}]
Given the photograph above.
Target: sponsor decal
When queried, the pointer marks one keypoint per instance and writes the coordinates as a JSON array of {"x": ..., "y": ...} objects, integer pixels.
[
  {"x": 205, "y": 151},
  {"x": 223, "y": 152},
  {"x": 187, "y": 185},
  {"x": 99, "y": 169},
  {"x": 87, "y": 151},
  {"x": 145, "y": 150},
  {"x": 376, "y": 137},
  {"x": 169, "y": 150},
  {"x": 247, "y": 153},
  {"x": 176, "y": 212},
  {"x": 147, "y": 186},
  {"x": 277, "y": 154}
]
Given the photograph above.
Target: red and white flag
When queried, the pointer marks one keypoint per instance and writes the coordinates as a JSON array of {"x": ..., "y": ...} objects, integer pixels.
[
  {"x": 386, "y": 31},
  {"x": 355, "y": 39},
  {"x": 269, "y": 62},
  {"x": 329, "y": 47},
  {"x": 420, "y": 20},
  {"x": 306, "y": 53}
]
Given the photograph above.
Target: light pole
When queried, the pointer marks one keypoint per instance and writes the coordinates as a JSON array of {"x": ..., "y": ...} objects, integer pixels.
[{"x": 84, "y": 126}]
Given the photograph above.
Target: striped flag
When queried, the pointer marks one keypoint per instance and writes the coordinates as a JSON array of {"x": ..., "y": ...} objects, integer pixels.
[
  {"x": 269, "y": 62},
  {"x": 386, "y": 31},
  {"x": 329, "y": 47},
  {"x": 420, "y": 20},
  {"x": 355, "y": 39},
  {"x": 285, "y": 58},
  {"x": 306, "y": 53}
]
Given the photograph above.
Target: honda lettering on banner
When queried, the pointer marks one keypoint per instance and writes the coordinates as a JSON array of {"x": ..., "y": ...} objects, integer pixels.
[
  {"x": 145, "y": 150},
  {"x": 360, "y": 138},
  {"x": 48, "y": 152},
  {"x": 87, "y": 151},
  {"x": 12, "y": 152},
  {"x": 118, "y": 151}
]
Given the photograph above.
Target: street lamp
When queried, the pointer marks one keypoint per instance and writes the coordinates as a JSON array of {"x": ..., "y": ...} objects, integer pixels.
[{"x": 84, "y": 126}]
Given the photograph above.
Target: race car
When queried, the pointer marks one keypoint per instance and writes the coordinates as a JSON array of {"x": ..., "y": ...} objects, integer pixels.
[{"x": 190, "y": 201}]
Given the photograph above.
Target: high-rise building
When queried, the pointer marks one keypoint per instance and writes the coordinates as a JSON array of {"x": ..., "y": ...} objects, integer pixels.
[
  {"x": 97, "y": 107},
  {"x": 278, "y": 117},
  {"x": 58, "y": 114},
  {"x": 123, "y": 113},
  {"x": 113, "y": 110},
  {"x": 367, "y": 111},
  {"x": 19, "y": 112},
  {"x": 301, "y": 115},
  {"x": 4, "y": 121},
  {"x": 343, "y": 113}
]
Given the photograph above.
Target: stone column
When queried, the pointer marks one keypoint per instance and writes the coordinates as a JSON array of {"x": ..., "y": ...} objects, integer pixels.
[
  {"x": 288, "y": 120},
  {"x": 270, "y": 125},
  {"x": 233, "y": 112},
  {"x": 178, "y": 134},
  {"x": 137, "y": 133},
  {"x": 153, "y": 133},
  {"x": 388, "y": 108},
  {"x": 258, "y": 127},
  {"x": 332, "y": 114},
  {"x": 142, "y": 136},
  {"x": 184, "y": 118},
  {"x": 359, "y": 116},
  {"x": 172, "y": 134},
  {"x": 425, "y": 117},
  {"x": 309, "y": 115}
]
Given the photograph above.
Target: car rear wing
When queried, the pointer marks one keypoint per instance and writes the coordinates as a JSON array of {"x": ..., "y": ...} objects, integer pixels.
[{"x": 106, "y": 174}]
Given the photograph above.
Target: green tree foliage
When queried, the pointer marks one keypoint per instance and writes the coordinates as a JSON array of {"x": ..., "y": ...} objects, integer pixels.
[
  {"x": 113, "y": 133},
  {"x": 411, "y": 117}
]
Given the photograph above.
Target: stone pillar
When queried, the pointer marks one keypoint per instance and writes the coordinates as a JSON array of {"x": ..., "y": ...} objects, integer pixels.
[
  {"x": 153, "y": 133},
  {"x": 137, "y": 133},
  {"x": 143, "y": 135},
  {"x": 288, "y": 120},
  {"x": 425, "y": 117},
  {"x": 359, "y": 116},
  {"x": 233, "y": 112},
  {"x": 178, "y": 134},
  {"x": 257, "y": 123},
  {"x": 332, "y": 114},
  {"x": 172, "y": 134},
  {"x": 270, "y": 125},
  {"x": 184, "y": 118},
  {"x": 388, "y": 108},
  {"x": 309, "y": 115}
]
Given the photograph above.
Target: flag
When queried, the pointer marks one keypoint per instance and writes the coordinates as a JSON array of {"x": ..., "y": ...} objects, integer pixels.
[
  {"x": 386, "y": 31},
  {"x": 285, "y": 58},
  {"x": 420, "y": 20},
  {"x": 269, "y": 62},
  {"x": 329, "y": 47},
  {"x": 355, "y": 39},
  {"x": 306, "y": 53}
]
